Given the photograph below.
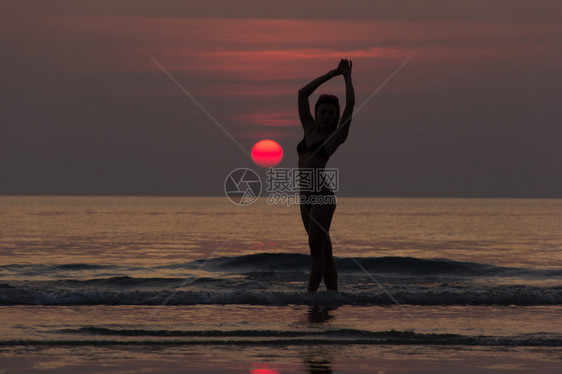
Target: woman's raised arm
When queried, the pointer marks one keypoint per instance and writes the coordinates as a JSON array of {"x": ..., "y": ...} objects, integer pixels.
[
  {"x": 305, "y": 116},
  {"x": 343, "y": 128}
]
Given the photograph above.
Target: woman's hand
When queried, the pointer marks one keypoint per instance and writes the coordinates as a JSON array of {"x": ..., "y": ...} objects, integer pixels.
[{"x": 344, "y": 67}]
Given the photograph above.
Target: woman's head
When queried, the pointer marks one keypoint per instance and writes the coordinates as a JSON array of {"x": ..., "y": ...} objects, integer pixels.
[{"x": 327, "y": 112}]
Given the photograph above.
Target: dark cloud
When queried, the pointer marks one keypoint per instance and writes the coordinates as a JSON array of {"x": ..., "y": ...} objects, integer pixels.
[
  {"x": 85, "y": 111},
  {"x": 415, "y": 10}
]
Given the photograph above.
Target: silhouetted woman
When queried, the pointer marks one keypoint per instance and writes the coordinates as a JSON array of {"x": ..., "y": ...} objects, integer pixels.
[{"x": 323, "y": 134}]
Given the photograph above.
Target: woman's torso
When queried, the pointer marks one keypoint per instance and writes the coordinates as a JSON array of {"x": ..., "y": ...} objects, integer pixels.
[{"x": 314, "y": 156}]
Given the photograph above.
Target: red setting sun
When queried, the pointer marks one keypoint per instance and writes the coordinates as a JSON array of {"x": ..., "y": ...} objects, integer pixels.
[{"x": 267, "y": 153}]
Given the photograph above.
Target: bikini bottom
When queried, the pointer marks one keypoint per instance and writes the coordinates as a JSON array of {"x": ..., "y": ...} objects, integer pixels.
[
  {"x": 325, "y": 192},
  {"x": 322, "y": 192}
]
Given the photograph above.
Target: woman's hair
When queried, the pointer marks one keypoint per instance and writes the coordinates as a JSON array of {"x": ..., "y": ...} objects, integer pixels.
[{"x": 332, "y": 100}]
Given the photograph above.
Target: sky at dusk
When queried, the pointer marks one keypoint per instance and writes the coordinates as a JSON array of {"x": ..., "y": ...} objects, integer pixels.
[{"x": 475, "y": 112}]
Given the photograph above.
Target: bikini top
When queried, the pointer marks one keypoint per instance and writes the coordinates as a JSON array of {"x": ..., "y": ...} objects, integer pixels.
[{"x": 316, "y": 147}]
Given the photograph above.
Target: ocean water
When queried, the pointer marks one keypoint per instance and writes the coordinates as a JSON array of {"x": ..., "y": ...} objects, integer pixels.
[{"x": 198, "y": 284}]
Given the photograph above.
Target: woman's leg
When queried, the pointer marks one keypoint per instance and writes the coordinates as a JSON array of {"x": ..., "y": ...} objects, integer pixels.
[
  {"x": 305, "y": 215},
  {"x": 330, "y": 270},
  {"x": 318, "y": 241},
  {"x": 315, "y": 275}
]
